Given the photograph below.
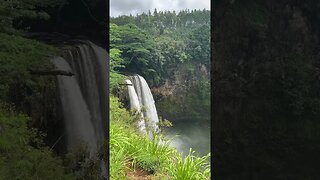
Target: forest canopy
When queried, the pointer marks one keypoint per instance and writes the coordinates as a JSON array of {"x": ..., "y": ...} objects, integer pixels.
[{"x": 154, "y": 45}]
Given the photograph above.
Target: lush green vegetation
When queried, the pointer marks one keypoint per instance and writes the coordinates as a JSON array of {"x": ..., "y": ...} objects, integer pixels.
[
  {"x": 22, "y": 151},
  {"x": 129, "y": 149},
  {"x": 154, "y": 45}
]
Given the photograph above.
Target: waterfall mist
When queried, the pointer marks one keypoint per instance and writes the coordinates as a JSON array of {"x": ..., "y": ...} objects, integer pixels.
[{"x": 187, "y": 133}]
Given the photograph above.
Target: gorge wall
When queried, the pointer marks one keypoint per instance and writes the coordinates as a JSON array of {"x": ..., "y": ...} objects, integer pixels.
[{"x": 186, "y": 94}]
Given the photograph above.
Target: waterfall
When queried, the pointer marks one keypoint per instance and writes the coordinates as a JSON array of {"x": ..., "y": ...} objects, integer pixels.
[
  {"x": 135, "y": 106},
  {"x": 84, "y": 96},
  {"x": 75, "y": 110},
  {"x": 141, "y": 99},
  {"x": 88, "y": 63}
]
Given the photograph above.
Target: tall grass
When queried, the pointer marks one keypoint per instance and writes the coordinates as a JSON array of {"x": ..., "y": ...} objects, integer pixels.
[
  {"x": 117, "y": 164},
  {"x": 190, "y": 167},
  {"x": 153, "y": 155}
]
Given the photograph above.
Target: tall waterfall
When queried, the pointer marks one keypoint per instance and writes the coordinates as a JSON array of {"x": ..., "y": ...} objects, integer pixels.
[
  {"x": 135, "y": 105},
  {"x": 84, "y": 96},
  {"x": 141, "y": 99},
  {"x": 75, "y": 110}
]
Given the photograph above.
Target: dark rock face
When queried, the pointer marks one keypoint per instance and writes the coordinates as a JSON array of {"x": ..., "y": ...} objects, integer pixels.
[{"x": 265, "y": 89}]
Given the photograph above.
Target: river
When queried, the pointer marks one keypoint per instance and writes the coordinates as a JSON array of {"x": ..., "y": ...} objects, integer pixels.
[{"x": 190, "y": 133}]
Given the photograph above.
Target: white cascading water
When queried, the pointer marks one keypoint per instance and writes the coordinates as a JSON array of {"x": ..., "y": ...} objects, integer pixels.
[
  {"x": 84, "y": 96},
  {"x": 75, "y": 110},
  {"x": 146, "y": 102},
  {"x": 88, "y": 62},
  {"x": 135, "y": 106}
]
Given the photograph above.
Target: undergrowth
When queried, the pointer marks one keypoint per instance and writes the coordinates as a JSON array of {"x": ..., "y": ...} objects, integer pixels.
[{"x": 22, "y": 152}]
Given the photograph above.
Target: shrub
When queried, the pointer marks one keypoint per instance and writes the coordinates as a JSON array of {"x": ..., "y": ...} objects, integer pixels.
[{"x": 18, "y": 158}]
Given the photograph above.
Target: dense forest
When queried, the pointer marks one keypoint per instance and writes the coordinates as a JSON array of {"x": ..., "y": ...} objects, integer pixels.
[
  {"x": 153, "y": 45},
  {"x": 266, "y": 94},
  {"x": 171, "y": 50}
]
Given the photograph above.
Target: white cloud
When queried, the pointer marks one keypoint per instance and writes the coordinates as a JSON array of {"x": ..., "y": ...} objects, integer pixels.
[{"x": 125, "y": 7}]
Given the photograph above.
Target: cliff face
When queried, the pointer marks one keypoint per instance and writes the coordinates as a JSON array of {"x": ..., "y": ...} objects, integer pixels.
[
  {"x": 266, "y": 89},
  {"x": 186, "y": 94}
]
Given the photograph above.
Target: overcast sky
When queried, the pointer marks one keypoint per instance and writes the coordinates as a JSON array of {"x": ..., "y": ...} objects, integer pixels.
[{"x": 125, "y": 7}]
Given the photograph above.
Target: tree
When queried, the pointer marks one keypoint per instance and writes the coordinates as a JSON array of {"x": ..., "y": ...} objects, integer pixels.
[
  {"x": 116, "y": 61},
  {"x": 155, "y": 12},
  {"x": 199, "y": 44},
  {"x": 134, "y": 46}
]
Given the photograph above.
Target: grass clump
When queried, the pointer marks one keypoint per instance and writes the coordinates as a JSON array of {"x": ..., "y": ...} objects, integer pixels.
[
  {"x": 155, "y": 155},
  {"x": 190, "y": 167}
]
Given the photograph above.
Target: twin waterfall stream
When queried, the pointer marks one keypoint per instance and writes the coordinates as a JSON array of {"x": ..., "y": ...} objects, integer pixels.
[{"x": 141, "y": 101}]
